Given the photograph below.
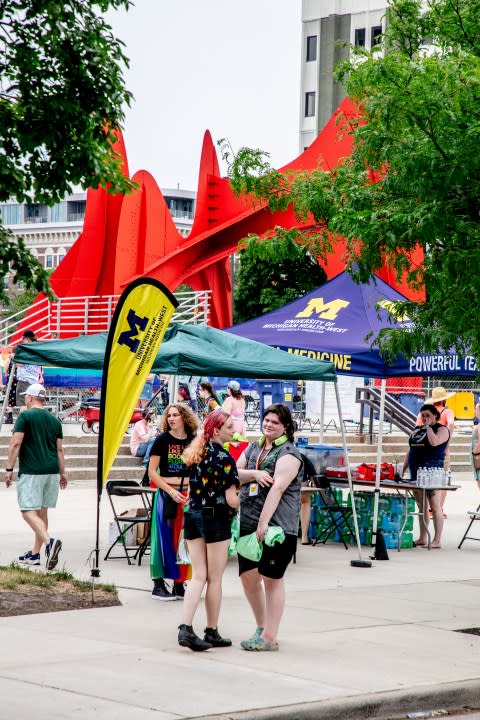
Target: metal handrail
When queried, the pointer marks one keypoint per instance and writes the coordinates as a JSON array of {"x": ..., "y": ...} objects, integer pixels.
[
  {"x": 394, "y": 412},
  {"x": 84, "y": 315}
]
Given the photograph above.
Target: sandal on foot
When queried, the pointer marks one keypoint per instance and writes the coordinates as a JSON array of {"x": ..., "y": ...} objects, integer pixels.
[{"x": 258, "y": 644}]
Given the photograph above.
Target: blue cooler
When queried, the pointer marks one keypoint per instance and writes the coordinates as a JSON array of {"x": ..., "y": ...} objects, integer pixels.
[{"x": 323, "y": 456}]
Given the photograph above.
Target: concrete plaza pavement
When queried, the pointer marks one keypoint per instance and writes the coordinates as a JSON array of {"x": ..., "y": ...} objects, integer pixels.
[{"x": 354, "y": 642}]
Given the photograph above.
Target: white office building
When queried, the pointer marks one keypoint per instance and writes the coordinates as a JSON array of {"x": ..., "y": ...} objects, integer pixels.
[
  {"x": 325, "y": 24},
  {"x": 49, "y": 232}
]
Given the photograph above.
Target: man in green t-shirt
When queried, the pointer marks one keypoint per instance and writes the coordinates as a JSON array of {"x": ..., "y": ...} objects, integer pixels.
[{"x": 37, "y": 442}]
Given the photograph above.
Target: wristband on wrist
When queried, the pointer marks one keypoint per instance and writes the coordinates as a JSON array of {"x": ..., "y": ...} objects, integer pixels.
[
  {"x": 8, "y": 469},
  {"x": 171, "y": 493}
]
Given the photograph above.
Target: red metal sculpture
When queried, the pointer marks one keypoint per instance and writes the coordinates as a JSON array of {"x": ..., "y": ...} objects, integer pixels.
[{"x": 127, "y": 236}]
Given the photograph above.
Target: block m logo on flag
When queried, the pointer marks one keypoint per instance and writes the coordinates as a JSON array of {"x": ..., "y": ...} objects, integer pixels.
[
  {"x": 130, "y": 337},
  {"x": 136, "y": 333}
]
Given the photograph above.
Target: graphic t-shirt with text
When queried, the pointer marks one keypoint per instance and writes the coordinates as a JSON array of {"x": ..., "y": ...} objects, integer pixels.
[{"x": 170, "y": 449}]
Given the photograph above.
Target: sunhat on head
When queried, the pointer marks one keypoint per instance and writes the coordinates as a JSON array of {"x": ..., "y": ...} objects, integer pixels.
[
  {"x": 35, "y": 390},
  {"x": 234, "y": 385},
  {"x": 439, "y": 394}
]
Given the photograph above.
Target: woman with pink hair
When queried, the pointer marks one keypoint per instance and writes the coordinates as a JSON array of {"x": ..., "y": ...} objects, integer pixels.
[{"x": 214, "y": 487}]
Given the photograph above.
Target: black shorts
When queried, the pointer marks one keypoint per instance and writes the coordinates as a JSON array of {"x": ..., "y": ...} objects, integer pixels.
[
  {"x": 274, "y": 560},
  {"x": 211, "y": 524}
]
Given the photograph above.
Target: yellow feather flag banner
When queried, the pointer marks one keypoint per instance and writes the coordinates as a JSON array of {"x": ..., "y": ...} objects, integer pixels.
[{"x": 139, "y": 323}]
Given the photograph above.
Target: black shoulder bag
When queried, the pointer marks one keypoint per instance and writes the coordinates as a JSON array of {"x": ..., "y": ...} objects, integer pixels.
[{"x": 170, "y": 507}]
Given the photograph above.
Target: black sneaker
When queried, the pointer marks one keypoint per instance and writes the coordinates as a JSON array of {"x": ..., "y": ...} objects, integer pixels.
[
  {"x": 29, "y": 558},
  {"x": 187, "y": 638},
  {"x": 178, "y": 591},
  {"x": 161, "y": 592},
  {"x": 213, "y": 637},
  {"x": 51, "y": 551}
]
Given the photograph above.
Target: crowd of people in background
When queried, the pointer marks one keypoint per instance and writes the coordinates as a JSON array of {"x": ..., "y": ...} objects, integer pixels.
[
  {"x": 428, "y": 447},
  {"x": 202, "y": 493}
]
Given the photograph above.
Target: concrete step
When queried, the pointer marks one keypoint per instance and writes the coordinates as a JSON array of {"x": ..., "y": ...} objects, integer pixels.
[
  {"x": 88, "y": 444},
  {"x": 81, "y": 450},
  {"x": 84, "y": 459},
  {"x": 89, "y": 472},
  {"x": 80, "y": 459},
  {"x": 88, "y": 475}
]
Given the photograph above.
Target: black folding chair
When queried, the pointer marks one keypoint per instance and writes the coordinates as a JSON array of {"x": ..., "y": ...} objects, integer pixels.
[
  {"x": 474, "y": 515},
  {"x": 338, "y": 518},
  {"x": 338, "y": 514},
  {"x": 126, "y": 521}
]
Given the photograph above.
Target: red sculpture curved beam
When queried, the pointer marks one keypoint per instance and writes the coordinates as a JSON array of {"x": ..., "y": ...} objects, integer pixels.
[
  {"x": 223, "y": 220},
  {"x": 126, "y": 237}
]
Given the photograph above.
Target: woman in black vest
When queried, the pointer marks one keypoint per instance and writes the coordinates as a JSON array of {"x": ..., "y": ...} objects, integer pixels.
[{"x": 271, "y": 474}]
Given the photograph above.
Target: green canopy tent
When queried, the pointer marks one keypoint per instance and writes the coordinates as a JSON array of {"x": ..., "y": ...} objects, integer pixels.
[
  {"x": 186, "y": 350},
  {"x": 195, "y": 350}
]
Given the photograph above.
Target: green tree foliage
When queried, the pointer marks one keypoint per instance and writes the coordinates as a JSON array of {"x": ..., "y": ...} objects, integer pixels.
[
  {"x": 414, "y": 175},
  {"x": 263, "y": 285},
  {"x": 61, "y": 98},
  {"x": 21, "y": 301}
]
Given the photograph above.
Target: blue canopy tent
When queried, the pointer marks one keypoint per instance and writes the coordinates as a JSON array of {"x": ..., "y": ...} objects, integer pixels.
[
  {"x": 338, "y": 322},
  {"x": 331, "y": 324}
]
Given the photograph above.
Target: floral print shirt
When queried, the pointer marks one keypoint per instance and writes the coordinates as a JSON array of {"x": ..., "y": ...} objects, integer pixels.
[{"x": 213, "y": 475}]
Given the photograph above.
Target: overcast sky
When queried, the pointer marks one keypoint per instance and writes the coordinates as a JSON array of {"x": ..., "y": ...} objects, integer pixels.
[{"x": 228, "y": 66}]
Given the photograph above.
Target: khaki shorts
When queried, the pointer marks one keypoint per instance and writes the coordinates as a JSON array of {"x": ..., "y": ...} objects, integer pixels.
[{"x": 37, "y": 491}]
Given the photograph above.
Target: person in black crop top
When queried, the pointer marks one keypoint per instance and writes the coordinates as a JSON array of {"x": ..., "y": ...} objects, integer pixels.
[
  {"x": 166, "y": 470},
  {"x": 427, "y": 446}
]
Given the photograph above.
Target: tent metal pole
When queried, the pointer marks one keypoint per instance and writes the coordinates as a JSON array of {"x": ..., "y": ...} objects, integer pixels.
[
  {"x": 378, "y": 469},
  {"x": 11, "y": 375},
  {"x": 173, "y": 388},
  {"x": 322, "y": 412},
  {"x": 360, "y": 562}
]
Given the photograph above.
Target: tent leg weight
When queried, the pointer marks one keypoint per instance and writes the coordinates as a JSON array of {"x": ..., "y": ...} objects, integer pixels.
[{"x": 361, "y": 563}]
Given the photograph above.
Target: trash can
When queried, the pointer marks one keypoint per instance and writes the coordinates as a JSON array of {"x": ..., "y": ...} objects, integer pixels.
[{"x": 276, "y": 391}]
